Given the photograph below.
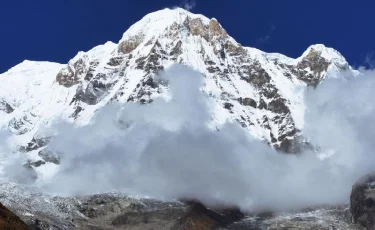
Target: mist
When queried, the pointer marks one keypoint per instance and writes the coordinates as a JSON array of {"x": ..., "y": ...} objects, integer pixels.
[{"x": 167, "y": 150}]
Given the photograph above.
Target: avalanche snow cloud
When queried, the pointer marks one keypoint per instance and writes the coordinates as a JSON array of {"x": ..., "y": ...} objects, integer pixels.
[{"x": 168, "y": 150}]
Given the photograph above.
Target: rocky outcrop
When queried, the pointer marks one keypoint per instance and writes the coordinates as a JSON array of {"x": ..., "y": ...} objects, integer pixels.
[
  {"x": 316, "y": 64},
  {"x": 362, "y": 202},
  {"x": 199, "y": 217},
  {"x": 131, "y": 44},
  {"x": 20, "y": 125},
  {"x": 10, "y": 221},
  {"x": 35, "y": 143},
  {"x": 6, "y": 107},
  {"x": 197, "y": 28},
  {"x": 73, "y": 73},
  {"x": 248, "y": 102},
  {"x": 49, "y": 155},
  {"x": 216, "y": 30}
]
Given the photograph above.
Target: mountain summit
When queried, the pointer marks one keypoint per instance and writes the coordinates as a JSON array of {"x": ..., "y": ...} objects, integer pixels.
[{"x": 261, "y": 91}]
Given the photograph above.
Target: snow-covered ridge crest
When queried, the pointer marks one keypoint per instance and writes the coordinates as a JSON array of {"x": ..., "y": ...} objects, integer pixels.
[
  {"x": 154, "y": 23},
  {"x": 263, "y": 92}
]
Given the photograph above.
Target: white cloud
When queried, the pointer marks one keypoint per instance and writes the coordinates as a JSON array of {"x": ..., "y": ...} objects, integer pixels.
[
  {"x": 267, "y": 38},
  {"x": 189, "y": 5},
  {"x": 369, "y": 60},
  {"x": 166, "y": 150}
]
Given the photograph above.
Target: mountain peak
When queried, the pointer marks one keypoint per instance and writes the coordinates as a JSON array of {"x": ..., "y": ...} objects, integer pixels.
[
  {"x": 153, "y": 24},
  {"x": 325, "y": 52},
  {"x": 175, "y": 14}
]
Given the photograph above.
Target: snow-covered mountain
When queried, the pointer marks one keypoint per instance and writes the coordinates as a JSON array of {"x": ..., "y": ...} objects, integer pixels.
[{"x": 262, "y": 91}]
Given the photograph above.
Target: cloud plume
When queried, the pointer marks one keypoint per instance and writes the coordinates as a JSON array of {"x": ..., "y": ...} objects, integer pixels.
[
  {"x": 166, "y": 150},
  {"x": 189, "y": 5},
  {"x": 267, "y": 38}
]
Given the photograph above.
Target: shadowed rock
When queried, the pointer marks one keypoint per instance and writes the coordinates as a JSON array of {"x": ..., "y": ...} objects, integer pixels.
[
  {"x": 199, "y": 217},
  {"x": 362, "y": 202},
  {"x": 9, "y": 221},
  {"x": 130, "y": 45},
  {"x": 72, "y": 74},
  {"x": 4, "y": 106}
]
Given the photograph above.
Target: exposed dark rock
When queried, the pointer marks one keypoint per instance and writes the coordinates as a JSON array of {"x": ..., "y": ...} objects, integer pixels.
[
  {"x": 66, "y": 79},
  {"x": 273, "y": 139},
  {"x": 255, "y": 74},
  {"x": 228, "y": 105},
  {"x": 94, "y": 92},
  {"x": 289, "y": 145},
  {"x": 362, "y": 202},
  {"x": 4, "y": 106},
  {"x": 151, "y": 63},
  {"x": 125, "y": 213},
  {"x": 70, "y": 75},
  {"x": 197, "y": 28},
  {"x": 222, "y": 53},
  {"x": 140, "y": 62},
  {"x": 35, "y": 144},
  {"x": 216, "y": 30},
  {"x": 212, "y": 69},
  {"x": 36, "y": 164},
  {"x": 39, "y": 225},
  {"x": 278, "y": 106},
  {"x": 316, "y": 63},
  {"x": 89, "y": 76},
  {"x": 269, "y": 91},
  {"x": 130, "y": 45},
  {"x": 76, "y": 112},
  {"x": 49, "y": 156},
  {"x": 177, "y": 50},
  {"x": 19, "y": 126},
  {"x": 209, "y": 62},
  {"x": 143, "y": 101},
  {"x": 234, "y": 50},
  {"x": 150, "y": 82},
  {"x": 199, "y": 217},
  {"x": 262, "y": 104},
  {"x": 87, "y": 96},
  {"x": 115, "y": 61},
  {"x": 91, "y": 71},
  {"x": 247, "y": 102},
  {"x": 10, "y": 221}
]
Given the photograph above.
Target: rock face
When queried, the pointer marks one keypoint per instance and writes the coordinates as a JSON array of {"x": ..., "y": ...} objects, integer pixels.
[
  {"x": 198, "y": 217},
  {"x": 10, "y": 221},
  {"x": 111, "y": 211},
  {"x": 258, "y": 90},
  {"x": 362, "y": 202},
  {"x": 4, "y": 106},
  {"x": 116, "y": 211}
]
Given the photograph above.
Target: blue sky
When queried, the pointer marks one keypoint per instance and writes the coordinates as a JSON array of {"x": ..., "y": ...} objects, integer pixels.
[{"x": 55, "y": 30}]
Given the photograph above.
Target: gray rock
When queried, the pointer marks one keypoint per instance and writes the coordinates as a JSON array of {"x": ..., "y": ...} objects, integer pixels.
[
  {"x": 248, "y": 102},
  {"x": 49, "y": 156},
  {"x": 4, "y": 106},
  {"x": 362, "y": 202},
  {"x": 35, "y": 143}
]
